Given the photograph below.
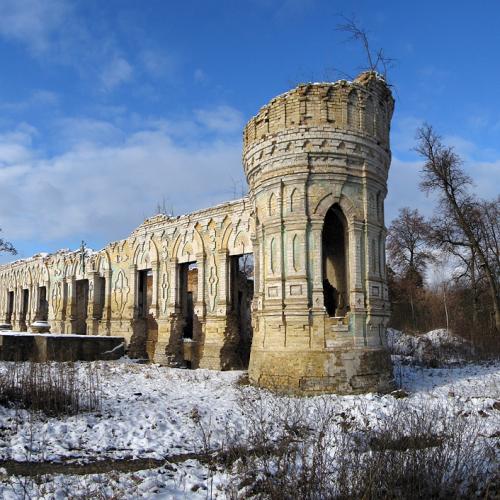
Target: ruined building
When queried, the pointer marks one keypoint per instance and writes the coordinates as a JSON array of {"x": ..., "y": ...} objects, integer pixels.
[{"x": 289, "y": 281}]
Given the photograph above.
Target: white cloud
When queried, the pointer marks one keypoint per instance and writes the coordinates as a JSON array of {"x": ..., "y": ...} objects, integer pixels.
[
  {"x": 404, "y": 179},
  {"x": 221, "y": 119},
  {"x": 104, "y": 191},
  {"x": 158, "y": 64},
  {"x": 118, "y": 71},
  {"x": 57, "y": 32},
  {"x": 404, "y": 174},
  {"x": 402, "y": 190},
  {"x": 16, "y": 146},
  {"x": 403, "y": 133},
  {"x": 38, "y": 97},
  {"x": 32, "y": 22},
  {"x": 78, "y": 131},
  {"x": 199, "y": 75}
]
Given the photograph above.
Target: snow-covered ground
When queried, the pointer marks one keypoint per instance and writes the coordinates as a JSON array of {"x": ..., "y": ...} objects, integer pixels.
[
  {"x": 434, "y": 348},
  {"x": 155, "y": 412}
]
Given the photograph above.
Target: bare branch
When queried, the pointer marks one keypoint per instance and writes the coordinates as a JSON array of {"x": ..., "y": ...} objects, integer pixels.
[
  {"x": 7, "y": 247},
  {"x": 377, "y": 60}
]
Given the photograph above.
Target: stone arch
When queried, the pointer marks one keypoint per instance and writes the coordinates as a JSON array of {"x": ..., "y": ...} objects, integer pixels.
[
  {"x": 380, "y": 119},
  {"x": 27, "y": 278},
  {"x": 369, "y": 116},
  {"x": 240, "y": 243},
  {"x": 226, "y": 232},
  {"x": 78, "y": 270},
  {"x": 103, "y": 262},
  {"x": 352, "y": 109},
  {"x": 12, "y": 279},
  {"x": 145, "y": 252},
  {"x": 186, "y": 249},
  {"x": 69, "y": 268},
  {"x": 272, "y": 205},
  {"x": 348, "y": 208},
  {"x": 46, "y": 273}
]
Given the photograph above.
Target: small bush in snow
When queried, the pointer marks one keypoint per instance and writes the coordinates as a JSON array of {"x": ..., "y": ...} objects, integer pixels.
[{"x": 53, "y": 388}]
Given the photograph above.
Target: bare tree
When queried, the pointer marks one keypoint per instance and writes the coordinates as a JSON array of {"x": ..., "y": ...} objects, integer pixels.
[
  {"x": 468, "y": 222},
  {"x": 488, "y": 227},
  {"x": 407, "y": 243},
  {"x": 376, "y": 60},
  {"x": 162, "y": 209},
  {"x": 408, "y": 255},
  {"x": 7, "y": 247},
  {"x": 450, "y": 241}
]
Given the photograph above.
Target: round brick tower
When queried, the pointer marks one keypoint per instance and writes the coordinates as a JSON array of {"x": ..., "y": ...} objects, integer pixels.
[{"x": 316, "y": 160}]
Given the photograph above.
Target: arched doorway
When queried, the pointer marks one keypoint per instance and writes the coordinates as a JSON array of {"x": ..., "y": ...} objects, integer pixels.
[{"x": 335, "y": 246}]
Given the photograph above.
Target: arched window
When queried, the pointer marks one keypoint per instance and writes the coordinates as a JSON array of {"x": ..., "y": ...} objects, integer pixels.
[
  {"x": 352, "y": 110},
  {"x": 369, "y": 116},
  {"x": 272, "y": 204},
  {"x": 381, "y": 120},
  {"x": 335, "y": 247}
]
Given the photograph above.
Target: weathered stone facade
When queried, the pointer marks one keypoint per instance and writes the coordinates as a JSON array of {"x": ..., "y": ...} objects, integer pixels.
[{"x": 316, "y": 160}]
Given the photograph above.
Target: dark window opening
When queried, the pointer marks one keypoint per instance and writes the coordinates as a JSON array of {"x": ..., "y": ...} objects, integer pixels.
[
  {"x": 241, "y": 296},
  {"x": 81, "y": 307},
  {"x": 101, "y": 297},
  {"x": 145, "y": 297},
  {"x": 24, "y": 309},
  {"x": 43, "y": 305},
  {"x": 148, "y": 325},
  {"x": 188, "y": 287},
  {"x": 335, "y": 263},
  {"x": 10, "y": 306}
]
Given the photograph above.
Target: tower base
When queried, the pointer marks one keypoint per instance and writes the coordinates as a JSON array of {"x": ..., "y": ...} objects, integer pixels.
[{"x": 342, "y": 371}]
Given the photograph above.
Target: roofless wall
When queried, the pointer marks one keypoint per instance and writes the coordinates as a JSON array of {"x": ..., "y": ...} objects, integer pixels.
[{"x": 180, "y": 289}]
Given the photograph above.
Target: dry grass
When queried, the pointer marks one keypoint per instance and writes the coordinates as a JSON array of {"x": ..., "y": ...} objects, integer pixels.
[
  {"x": 52, "y": 388},
  {"x": 411, "y": 453}
]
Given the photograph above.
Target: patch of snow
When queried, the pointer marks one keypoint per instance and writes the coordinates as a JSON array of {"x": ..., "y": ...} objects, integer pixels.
[
  {"x": 149, "y": 411},
  {"x": 433, "y": 348}
]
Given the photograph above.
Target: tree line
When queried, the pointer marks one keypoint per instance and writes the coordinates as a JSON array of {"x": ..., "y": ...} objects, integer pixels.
[{"x": 460, "y": 243}]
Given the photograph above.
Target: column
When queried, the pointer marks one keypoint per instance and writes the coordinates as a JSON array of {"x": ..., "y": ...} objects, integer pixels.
[
  {"x": 315, "y": 264},
  {"x": 94, "y": 307},
  {"x": 70, "y": 309}
]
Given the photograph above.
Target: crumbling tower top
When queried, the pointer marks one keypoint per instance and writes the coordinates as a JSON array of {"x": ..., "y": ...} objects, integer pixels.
[{"x": 362, "y": 107}]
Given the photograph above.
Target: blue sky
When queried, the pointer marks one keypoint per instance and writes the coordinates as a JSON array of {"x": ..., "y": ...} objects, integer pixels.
[{"x": 107, "y": 108}]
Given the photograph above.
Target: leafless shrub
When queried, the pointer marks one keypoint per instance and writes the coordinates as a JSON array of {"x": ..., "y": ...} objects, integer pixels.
[
  {"x": 414, "y": 452},
  {"x": 53, "y": 388}
]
